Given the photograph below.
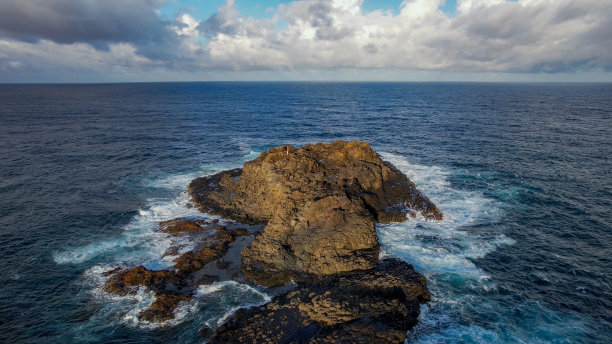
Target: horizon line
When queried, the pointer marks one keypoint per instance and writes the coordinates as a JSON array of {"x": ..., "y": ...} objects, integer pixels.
[{"x": 307, "y": 81}]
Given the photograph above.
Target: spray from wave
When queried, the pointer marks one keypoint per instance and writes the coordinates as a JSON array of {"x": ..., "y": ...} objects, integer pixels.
[
  {"x": 446, "y": 253},
  {"x": 445, "y": 246},
  {"x": 142, "y": 244}
]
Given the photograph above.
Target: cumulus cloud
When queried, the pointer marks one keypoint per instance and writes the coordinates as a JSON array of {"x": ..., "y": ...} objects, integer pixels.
[
  {"x": 96, "y": 36},
  {"x": 484, "y": 35},
  {"x": 524, "y": 36},
  {"x": 50, "y": 61}
]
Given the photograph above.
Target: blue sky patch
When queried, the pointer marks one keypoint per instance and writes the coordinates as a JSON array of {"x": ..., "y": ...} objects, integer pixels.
[{"x": 201, "y": 10}]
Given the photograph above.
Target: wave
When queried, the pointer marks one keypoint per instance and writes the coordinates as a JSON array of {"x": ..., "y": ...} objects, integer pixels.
[
  {"x": 446, "y": 252},
  {"x": 140, "y": 242},
  {"x": 446, "y": 246},
  {"x": 224, "y": 298}
]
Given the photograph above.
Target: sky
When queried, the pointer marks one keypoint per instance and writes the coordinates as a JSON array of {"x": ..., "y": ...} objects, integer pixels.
[{"x": 74, "y": 41}]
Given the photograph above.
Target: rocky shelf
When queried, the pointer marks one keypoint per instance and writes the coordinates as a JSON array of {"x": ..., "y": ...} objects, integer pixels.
[{"x": 318, "y": 206}]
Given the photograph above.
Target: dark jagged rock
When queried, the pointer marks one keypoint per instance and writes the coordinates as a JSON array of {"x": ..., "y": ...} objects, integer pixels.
[
  {"x": 174, "y": 286},
  {"x": 320, "y": 204},
  {"x": 373, "y": 306}
]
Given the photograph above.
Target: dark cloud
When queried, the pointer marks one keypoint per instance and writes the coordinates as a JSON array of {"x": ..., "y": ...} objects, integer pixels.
[
  {"x": 505, "y": 21},
  {"x": 218, "y": 23},
  {"x": 320, "y": 15},
  {"x": 90, "y": 21},
  {"x": 571, "y": 11},
  {"x": 370, "y": 48}
]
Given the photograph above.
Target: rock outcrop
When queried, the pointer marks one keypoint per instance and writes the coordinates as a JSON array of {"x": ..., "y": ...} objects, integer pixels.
[
  {"x": 178, "y": 284},
  {"x": 374, "y": 306},
  {"x": 320, "y": 204}
]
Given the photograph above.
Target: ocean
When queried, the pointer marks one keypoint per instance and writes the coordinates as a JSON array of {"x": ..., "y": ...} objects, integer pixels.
[{"x": 521, "y": 172}]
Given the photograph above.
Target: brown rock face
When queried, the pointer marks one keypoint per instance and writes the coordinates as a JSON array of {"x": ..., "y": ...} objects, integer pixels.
[
  {"x": 375, "y": 306},
  {"x": 320, "y": 204},
  {"x": 188, "y": 225}
]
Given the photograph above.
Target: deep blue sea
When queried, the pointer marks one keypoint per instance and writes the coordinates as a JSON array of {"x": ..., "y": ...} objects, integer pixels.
[{"x": 521, "y": 171}]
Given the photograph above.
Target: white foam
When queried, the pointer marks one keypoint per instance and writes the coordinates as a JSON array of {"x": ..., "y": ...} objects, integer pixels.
[
  {"x": 443, "y": 246},
  {"x": 247, "y": 149},
  {"x": 438, "y": 323},
  {"x": 139, "y": 244},
  {"x": 142, "y": 244},
  {"x": 225, "y": 298},
  {"x": 225, "y": 285},
  {"x": 251, "y": 155},
  {"x": 173, "y": 182},
  {"x": 445, "y": 251},
  {"x": 141, "y": 301},
  {"x": 140, "y": 241},
  {"x": 123, "y": 309},
  {"x": 178, "y": 182},
  {"x": 465, "y": 333}
]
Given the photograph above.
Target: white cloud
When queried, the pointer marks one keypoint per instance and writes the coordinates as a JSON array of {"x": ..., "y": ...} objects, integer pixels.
[
  {"x": 47, "y": 60},
  {"x": 483, "y": 36},
  {"x": 15, "y": 64}
]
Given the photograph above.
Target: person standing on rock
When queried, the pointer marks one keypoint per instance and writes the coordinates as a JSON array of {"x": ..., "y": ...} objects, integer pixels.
[{"x": 287, "y": 149}]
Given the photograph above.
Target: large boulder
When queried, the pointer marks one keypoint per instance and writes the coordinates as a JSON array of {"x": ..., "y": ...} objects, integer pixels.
[{"x": 320, "y": 204}]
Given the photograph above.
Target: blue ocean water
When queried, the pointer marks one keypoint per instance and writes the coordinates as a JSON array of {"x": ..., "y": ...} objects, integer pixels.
[{"x": 521, "y": 172}]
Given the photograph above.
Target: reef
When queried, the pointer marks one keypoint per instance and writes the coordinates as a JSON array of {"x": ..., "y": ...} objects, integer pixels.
[{"x": 320, "y": 205}]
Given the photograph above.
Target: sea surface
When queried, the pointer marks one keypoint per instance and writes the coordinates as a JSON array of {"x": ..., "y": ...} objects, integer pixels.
[{"x": 521, "y": 171}]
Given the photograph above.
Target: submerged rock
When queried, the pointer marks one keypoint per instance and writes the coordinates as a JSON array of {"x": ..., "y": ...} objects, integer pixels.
[{"x": 320, "y": 204}]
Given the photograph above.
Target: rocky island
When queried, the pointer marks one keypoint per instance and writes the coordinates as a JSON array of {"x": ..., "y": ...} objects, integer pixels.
[{"x": 318, "y": 206}]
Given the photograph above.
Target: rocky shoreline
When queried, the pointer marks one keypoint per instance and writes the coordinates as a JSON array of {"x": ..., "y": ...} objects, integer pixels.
[
  {"x": 190, "y": 270},
  {"x": 318, "y": 206}
]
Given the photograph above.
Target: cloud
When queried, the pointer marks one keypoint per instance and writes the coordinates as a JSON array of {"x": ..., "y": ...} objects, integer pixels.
[
  {"x": 483, "y": 36},
  {"x": 486, "y": 35},
  {"x": 77, "y": 61},
  {"x": 91, "y": 21}
]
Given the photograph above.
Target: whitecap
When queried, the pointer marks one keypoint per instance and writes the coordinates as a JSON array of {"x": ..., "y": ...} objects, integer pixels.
[
  {"x": 222, "y": 299},
  {"x": 140, "y": 241},
  {"x": 443, "y": 246}
]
